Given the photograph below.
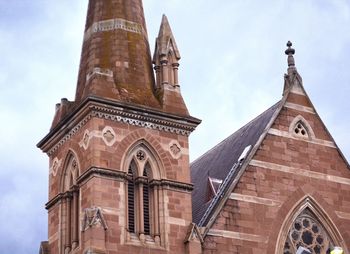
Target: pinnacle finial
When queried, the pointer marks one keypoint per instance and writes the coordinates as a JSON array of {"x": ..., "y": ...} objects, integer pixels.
[{"x": 290, "y": 52}]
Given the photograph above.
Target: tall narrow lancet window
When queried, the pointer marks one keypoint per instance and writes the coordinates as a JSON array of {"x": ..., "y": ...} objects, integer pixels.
[
  {"x": 70, "y": 216},
  {"x": 143, "y": 186},
  {"x": 308, "y": 232},
  {"x": 146, "y": 202},
  {"x": 131, "y": 197}
]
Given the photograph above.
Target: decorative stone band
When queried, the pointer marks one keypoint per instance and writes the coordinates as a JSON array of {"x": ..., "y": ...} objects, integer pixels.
[
  {"x": 299, "y": 107},
  {"x": 119, "y": 114},
  {"x": 255, "y": 200},
  {"x": 140, "y": 120},
  {"x": 94, "y": 171},
  {"x": 300, "y": 172},
  {"x": 100, "y": 72},
  {"x": 173, "y": 185},
  {"x": 113, "y": 24},
  {"x": 54, "y": 200},
  {"x": 60, "y": 196},
  {"x": 107, "y": 135},
  {"x": 287, "y": 134},
  {"x": 120, "y": 176},
  {"x": 238, "y": 235}
]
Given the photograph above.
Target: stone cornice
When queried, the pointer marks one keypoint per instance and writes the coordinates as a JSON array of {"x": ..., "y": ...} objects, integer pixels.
[
  {"x": 174, "y": 185},
  {"x": 54, "y": 200},
  {"x": 115, "y": 111},
  {"x": 94, "y": 171},
  {"x": 118, "y": 176}
]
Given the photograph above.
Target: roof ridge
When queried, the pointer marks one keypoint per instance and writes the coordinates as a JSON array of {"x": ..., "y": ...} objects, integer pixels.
[{"x": 222, "y": 141}]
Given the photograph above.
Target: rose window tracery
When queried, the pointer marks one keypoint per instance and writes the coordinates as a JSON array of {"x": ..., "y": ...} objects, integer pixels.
[{"x": 307, "y": 232}]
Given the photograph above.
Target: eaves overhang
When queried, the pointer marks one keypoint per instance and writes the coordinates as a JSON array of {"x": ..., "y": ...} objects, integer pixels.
[{"x": 116, "y": 111}]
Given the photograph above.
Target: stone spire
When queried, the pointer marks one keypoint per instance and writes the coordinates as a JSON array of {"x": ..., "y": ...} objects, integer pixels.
[
  {"x": 292, "y": 78},
  {"x": 115, "y": 60},
  {"x": 166, "y": 64}
]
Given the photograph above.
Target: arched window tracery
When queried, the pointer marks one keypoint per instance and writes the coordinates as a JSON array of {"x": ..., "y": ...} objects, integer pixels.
[
  {"x": 143, "y": 195},
  {"x": 70, "y": 219},
  {"x": 308, "y": 232}
]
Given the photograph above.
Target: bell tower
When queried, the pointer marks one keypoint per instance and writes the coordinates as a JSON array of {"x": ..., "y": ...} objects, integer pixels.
[{"x": 119, "y": 179}]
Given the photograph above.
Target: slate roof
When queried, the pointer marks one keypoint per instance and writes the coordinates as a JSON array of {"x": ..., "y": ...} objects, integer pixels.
[{"x": 218, "y": 161}]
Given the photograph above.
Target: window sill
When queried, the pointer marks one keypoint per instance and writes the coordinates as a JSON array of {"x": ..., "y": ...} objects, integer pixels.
[{"x": 143, "y": 240}]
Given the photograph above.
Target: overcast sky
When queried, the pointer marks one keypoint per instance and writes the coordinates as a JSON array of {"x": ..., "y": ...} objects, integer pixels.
[{"x": 231, "y": 70}]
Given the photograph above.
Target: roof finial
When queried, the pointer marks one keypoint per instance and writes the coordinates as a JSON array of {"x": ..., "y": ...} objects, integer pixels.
[{"x": 290, "y": 52}]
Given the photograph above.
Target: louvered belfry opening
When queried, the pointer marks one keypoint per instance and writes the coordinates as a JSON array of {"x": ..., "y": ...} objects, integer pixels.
[
  {"x": 131, "y": 198},
  {"x": 142, "y": 194},
  {"x": 146, "y": 204}
]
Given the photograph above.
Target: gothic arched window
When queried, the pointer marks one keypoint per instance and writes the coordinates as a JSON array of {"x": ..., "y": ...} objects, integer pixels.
[
  {"x": 146, "y": 201},
  {"x": 70, "y": 216},
  {"x": 131, "y": 197},
  {"x": 143, "y": 196},
  {"x": 300, "y": 128},
  {"x": 307, "y": 231}
]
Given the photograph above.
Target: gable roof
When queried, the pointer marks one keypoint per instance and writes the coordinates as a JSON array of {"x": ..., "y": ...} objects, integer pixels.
[
  {"x": 218, "y": 161},
  {"x": 226, "y": 160}
]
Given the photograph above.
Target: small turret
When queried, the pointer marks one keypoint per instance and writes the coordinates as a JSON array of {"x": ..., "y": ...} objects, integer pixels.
[{"x": 166, "y": 64}]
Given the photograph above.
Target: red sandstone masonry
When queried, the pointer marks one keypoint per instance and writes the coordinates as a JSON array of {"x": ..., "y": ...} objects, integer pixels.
[{"x": 286, "y": 188}]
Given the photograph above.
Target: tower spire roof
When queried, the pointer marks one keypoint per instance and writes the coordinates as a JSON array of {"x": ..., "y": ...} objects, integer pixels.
[{"x": 115, "y": 59}]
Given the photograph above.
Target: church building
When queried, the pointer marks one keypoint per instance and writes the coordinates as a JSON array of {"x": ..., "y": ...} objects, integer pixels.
[{"x": 120, "y": 180}]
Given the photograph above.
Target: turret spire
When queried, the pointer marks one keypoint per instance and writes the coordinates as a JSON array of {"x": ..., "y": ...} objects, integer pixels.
[{"x": 166, "y": 64}]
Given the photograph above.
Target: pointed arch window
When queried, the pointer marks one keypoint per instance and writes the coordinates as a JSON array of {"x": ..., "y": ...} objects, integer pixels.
[
  {"x": 143, "y": 197},
  {"x": 146, "y": 201},
  {"x": 70, "y": 216},
  {"x": 308, "y": 232},
  {"x": 300, "y": 128},
  {"x": 131, "y": 197}
]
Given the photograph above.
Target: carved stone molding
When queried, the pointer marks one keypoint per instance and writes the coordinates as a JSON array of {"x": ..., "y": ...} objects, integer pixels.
[
  {"x": 113, "y": 24},
  {"x": 141, "y": 155},
  {"x": 86, "y": 140},
  {"x": 93, "y": 217},
  {"x": 140, "y": 120},
  {"x": 107, "y": 135},
  {"x": 128, "y": 117},
  {"x": 175, "y": 149},
  {"x": 56, "y": 164},
  {"x": 117, "y": 175}
]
